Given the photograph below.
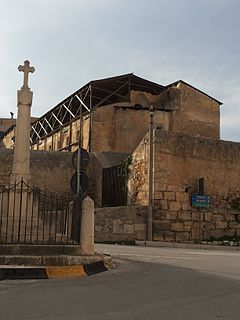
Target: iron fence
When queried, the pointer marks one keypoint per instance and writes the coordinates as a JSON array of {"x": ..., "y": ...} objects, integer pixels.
[{"x": 30, "y": 215}]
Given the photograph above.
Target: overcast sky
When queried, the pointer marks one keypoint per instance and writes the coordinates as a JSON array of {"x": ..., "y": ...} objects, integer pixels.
[{"x": 70, "y": 42}]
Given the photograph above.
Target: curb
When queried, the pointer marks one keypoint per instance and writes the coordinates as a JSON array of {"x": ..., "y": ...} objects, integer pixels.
[
  {"x": 165, "y": 244},
  {"x": 51, "y": 272}
]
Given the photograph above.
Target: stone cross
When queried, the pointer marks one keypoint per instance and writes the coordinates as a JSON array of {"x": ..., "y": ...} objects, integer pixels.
[
  {"x": 26, "y": 69},
  {"x": 21, "y": 156}
]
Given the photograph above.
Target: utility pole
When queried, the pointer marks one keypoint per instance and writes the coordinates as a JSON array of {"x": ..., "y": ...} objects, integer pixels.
[{"x": 150, "y": 179}]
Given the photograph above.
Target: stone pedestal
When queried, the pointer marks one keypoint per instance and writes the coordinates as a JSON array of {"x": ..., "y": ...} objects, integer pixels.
[{"x": 87, "y": 227}]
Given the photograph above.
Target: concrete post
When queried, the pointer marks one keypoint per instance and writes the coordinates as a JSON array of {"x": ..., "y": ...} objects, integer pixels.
[{"x": 87, "y": 227}]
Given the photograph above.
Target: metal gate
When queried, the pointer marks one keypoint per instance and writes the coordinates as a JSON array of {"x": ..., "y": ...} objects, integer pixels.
[
  {"x": 31, "y": 216},
  {"x": 114, "y": 187}
]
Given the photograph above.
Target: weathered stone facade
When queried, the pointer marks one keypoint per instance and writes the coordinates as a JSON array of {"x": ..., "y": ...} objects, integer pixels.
[
  {"x": 50, "y": 171},
  {"x": 179, "y": 161},
  {"x": 120, "y": 223}
]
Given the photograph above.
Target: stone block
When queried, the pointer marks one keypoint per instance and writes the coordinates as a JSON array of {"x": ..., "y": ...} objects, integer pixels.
[
  {"x": 174, "y": 206},
  {"x": 221, "y": 225},
  {"x": 164, "y": 204},
  {"x": 195, "y": 233},
  {"x": 158, "y": 236},
  {"x": 209, "y": 225},
  {"x": 230, "y": 217},
  {"x": 162, "y": 225},
  {"x": 230, "y": 232},
  {"x": 195, "y": 216},
  {"x": 128, "y": 228},
  {"x": 158, "y": 195},
  {"x": 171, "y": 215},
  {"x": 117, "y": 226},
  {"x": 140, "y": 235},
  {"x": 216, "y": 217},
  {"x": 217, "y": 233},
  {"x": 177, "y": 226},
  {"x": 185, "y": 216},
  {"x": 186, "y": 206},
  {"x": 206, "y": 235},
  {"x": 169, "y": 195},
  {"x": 159, "y": 214},
  {"x": 234, "y": 225},
  {"x": 182, "y": 196},
  {"x": 207, "y": 216},
  {"x": 173, "y": 188},
  {"x": 187, "y": 227},
  {"x": 169, "y": 236},
  {"x": 99, "y": 228},
  {"x": 182, "y": 236},
  {"x": 139, "y": 227}
]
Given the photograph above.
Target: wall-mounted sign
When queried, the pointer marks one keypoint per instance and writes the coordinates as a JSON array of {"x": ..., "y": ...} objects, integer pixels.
[{"x": 200, "y": 201}]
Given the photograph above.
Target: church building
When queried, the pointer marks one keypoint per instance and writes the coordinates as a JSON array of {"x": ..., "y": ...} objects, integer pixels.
[{"x": 110, "y": 118}]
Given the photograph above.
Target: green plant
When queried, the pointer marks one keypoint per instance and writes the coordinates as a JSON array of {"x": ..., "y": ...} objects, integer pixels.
[{"x": 125, "y": 171}]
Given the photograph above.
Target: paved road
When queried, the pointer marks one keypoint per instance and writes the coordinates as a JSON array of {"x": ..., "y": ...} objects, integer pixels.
[
  {"x": 151, "y": 285},
  {"x": 225, "y": 263}
]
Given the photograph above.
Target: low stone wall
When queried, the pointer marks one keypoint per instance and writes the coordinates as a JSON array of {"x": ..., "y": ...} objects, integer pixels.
[
  {"x": 176, "y": 220},
  {"x": 120, "y": 223}
]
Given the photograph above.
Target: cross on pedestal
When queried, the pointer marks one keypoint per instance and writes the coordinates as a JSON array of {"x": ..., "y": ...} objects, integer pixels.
[{"x": 26, "y": 69}]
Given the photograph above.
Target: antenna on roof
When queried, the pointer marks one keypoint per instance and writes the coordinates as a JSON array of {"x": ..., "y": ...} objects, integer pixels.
[{"x": 12, "y": 114}]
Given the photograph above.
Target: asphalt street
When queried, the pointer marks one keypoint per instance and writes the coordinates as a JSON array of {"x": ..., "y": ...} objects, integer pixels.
[{"x": 149, "y": 283}]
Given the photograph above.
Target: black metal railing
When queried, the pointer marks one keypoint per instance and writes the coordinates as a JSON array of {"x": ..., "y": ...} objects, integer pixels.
[{"x": 30, "y": 215}]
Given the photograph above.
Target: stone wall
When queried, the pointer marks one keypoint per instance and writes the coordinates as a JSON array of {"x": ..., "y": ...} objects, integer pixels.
[
  {"x": 197, "y": 114},
  {"x": 179, "y": 161},
  {"x": 121, "y": 127},
  {"x": 120, "y": 223},
  {"x": 67, "y": 138},
  {"x": 51, "y": 171}
]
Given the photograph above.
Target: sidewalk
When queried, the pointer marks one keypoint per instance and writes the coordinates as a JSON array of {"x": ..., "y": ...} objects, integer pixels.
[{"x": 186, "y": 245}]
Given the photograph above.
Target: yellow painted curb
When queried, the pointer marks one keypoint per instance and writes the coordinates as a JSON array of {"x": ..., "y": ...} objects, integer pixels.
[{"x": 65, "y": 272}]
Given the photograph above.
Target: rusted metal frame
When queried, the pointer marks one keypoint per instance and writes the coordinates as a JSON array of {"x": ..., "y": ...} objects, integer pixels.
[
  {"x": 110, "y": 95},
  {"x": 57, "y": 129},
  {"x": 83, "y": 99},
  {"x": 100, "y": 99},
  {"x": 36, "y": 132},
  {"x": 108, "y": 91},
  {"x": 64, "y": 116},
  {"x": 57, "y": 119},
  {"x": 45, "y": 119},
  {"x": 33, "y": 132},
  {"x": 145, "y": 87},
  {"x": 80, "y": 100},
  {"x": 43, "y": 127},
  {"x": 69, "y": 111},
  {"x": 129, "y": 83}
]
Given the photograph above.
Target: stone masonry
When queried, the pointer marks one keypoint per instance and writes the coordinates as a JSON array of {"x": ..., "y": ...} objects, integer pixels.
[{"x": 179, "y": 161}]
